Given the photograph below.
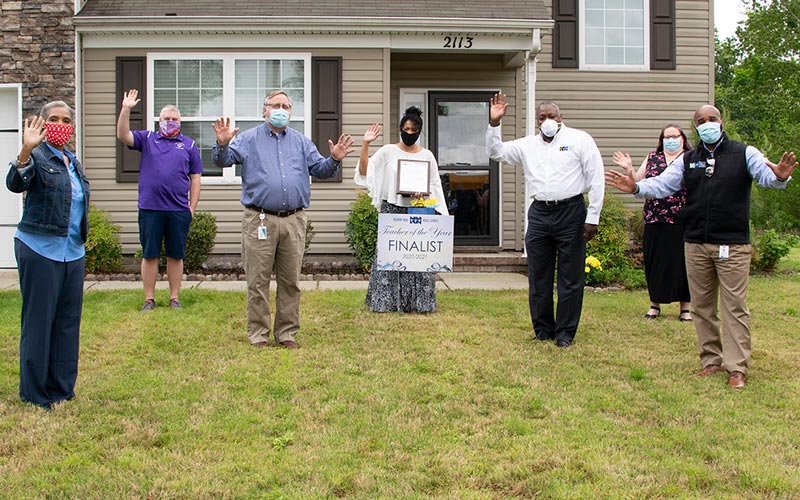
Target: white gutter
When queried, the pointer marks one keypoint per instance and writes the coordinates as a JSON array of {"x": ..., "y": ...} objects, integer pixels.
[
  {"x": 530, "y": 114},
  {"x": 324, "y": 23}
]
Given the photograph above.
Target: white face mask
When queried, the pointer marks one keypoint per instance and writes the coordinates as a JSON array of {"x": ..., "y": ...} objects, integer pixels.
[{"x": 549, "y": 127}]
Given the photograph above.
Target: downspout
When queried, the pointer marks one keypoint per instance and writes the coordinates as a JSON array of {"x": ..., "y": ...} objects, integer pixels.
[{"x": 530, "y": 112}]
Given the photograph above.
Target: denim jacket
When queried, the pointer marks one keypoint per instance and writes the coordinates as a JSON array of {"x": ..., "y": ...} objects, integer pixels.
[{"x": 47, "y": 204}]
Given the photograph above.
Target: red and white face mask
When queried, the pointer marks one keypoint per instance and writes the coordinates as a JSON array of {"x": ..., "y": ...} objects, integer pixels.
[{"x": 58, "y": 134}]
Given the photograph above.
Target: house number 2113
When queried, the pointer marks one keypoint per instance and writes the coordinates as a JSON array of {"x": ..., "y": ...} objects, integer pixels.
[{"x": 457, "y": 42}]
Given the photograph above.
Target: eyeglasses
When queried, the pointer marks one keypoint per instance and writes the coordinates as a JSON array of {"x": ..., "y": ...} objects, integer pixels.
[
  {"x": 275, "y": 105},
  {"x": 672, "y": 137},
  {"x": 710, "y": 166}
]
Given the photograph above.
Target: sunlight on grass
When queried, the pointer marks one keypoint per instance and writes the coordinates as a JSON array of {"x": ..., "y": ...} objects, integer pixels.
[{"x": 460, "y": 403}]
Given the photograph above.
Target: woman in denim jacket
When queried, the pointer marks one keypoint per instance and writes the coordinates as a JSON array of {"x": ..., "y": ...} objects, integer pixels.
[{"x": 49, "y": 246}]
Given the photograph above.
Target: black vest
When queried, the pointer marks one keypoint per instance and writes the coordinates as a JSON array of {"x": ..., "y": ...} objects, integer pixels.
[{"x": 717, "y": 208}]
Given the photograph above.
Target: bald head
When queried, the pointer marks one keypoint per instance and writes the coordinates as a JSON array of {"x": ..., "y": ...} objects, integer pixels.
[{"x": 706, "y": 113}]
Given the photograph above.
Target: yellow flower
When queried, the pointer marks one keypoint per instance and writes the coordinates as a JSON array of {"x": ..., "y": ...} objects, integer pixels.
[
  {"x": 423, "y": 202},
  {"x": 593, "y": 263}
]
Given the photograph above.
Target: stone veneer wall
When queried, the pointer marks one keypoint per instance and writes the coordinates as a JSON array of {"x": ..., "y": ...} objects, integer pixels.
[{"x": 38, "y": 50}]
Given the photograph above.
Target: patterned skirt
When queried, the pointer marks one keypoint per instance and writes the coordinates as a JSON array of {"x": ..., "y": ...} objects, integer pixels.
[{"x": 400, "y": 291}]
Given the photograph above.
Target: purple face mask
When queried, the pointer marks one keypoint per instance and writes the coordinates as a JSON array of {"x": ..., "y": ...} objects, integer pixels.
[{"x": 169, "y": 128}]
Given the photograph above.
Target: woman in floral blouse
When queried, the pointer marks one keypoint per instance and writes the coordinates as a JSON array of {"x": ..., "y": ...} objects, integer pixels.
[{"x": 664, "y": 263}]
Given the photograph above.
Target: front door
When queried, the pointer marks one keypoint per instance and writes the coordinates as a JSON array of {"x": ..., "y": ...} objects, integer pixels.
[
  {"x": 10, "y": 203},
  {"x": 471, "y": 181}
]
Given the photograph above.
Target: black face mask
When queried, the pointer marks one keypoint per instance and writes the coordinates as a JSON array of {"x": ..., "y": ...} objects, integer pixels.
[{"x": 409, "y": 139}]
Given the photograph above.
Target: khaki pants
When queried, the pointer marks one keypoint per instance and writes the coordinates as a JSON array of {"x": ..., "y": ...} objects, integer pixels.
[
  {"x": 283, "y": 251},
  {"x": 707, "y": 274}
]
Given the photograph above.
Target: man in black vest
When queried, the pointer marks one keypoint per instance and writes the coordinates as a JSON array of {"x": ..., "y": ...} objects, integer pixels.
[{"x": 718, "y": 175}]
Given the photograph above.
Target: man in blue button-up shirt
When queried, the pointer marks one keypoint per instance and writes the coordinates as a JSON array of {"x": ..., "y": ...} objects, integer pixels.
[{"x": 276, "y": 163}]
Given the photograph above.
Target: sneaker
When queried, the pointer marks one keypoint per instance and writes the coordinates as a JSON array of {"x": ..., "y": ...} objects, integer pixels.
[
  {"x": 149, "y": 305},
  {"x": 175, "y": 304}
]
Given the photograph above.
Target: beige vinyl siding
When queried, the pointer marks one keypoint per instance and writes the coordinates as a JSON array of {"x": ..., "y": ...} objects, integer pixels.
[
  {"x": 625, "y": 110},
  {"x": 363, "y": 75},
  {"x": 466, "y": 72}
]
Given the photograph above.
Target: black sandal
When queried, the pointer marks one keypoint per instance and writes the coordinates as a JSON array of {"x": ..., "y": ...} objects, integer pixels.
[
  {"x": 685, "y": 311},
  {"x": 653, "y": 316}
]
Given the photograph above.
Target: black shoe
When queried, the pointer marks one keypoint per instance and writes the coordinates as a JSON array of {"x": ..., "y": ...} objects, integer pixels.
[
  {"x": 542, "y": 338},
  {"x": 563, "y": 343},
  {"x": 653, "y": 316}
]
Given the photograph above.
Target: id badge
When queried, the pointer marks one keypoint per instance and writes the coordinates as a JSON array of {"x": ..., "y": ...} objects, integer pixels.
[
  {"x": 724, "y": 252},
  {"x": 262, "y": 232}
]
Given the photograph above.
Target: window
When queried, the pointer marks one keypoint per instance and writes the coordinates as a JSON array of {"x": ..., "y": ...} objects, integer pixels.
[
  {"x": 613, "y": 34},
  {"x": 207, "y": 86}
]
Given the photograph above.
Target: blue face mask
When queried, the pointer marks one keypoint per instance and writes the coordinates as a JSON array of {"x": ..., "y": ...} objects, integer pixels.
[
  {"x": 710, "y": 132},
  {"x": 278, "y": 118},
  {"x": 672, "y": 145}
]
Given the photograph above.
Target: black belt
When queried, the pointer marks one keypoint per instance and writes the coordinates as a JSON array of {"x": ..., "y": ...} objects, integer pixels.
[
  {"x": 555, "y": 203},
  {"x": 276, "y": 213}
]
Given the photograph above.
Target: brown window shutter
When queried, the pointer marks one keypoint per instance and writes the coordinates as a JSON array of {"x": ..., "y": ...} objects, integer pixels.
[
  {"x": 662, "y": 34},
  {"x": 131, "y": 74},
  {"x": 565, "y": 34},
  {"x": 326, "y": 105}
]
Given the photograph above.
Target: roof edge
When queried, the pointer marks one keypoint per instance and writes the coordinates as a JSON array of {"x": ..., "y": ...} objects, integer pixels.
[{"x": 323, "y": 24}]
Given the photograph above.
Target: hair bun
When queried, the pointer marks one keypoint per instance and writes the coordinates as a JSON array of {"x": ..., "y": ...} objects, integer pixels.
[{"x": 413, "y": 110}]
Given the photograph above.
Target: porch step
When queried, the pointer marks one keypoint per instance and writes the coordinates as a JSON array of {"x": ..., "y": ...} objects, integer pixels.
[{"x": 503, "y": 262}]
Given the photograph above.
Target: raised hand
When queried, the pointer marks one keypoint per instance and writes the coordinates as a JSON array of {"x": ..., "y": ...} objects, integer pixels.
[
  {"x": 342, "y": 147},
  {"x": 785, "y": 167},
  {"x": 623, "y": 182},
  {"x": 222, "y": 129},
  {"x": 497, "y": 109},
  {"x": 33, "y": 133},
  {"x": 372, "y": 133},
  {"x": 129, "y": 99},
  {"x": 623, "y": 160}
]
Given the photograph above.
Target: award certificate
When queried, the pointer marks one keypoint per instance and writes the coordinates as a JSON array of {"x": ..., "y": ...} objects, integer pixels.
[{"x": 413, "y": 176}]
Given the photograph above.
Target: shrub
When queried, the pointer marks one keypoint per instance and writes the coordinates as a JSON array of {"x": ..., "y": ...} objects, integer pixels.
[
  {"x": 610, "y": 244},
  {"x": 103, "y": 248},
  {"x": 361, "y": 230},
  {"x": 770, "y": 247},
  {"x": 202, "y": 233},
  {"x": 626, "y": 277}
]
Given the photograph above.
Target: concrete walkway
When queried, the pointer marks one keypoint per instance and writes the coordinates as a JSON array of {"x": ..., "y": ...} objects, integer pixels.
[{"x": 447, "y": 281}]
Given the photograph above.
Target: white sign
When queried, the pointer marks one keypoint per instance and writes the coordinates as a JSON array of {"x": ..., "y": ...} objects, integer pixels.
[{"x": 415, "y": 242}]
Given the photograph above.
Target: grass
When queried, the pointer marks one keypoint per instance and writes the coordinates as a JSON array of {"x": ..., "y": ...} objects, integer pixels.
[{"x": 457, "y": 404}]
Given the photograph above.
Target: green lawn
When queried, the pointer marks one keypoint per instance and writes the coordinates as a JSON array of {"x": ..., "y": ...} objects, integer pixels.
[{"x": 458, "y": 404}]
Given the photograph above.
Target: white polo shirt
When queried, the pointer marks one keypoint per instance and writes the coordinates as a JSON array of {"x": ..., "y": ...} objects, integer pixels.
[{"x": 561, "y": 169}]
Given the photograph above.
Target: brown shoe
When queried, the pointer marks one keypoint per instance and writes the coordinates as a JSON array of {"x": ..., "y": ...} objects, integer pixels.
[
  {"x": 736, "y": 380},
  {"x": 263, "y": 343},
  {"x": 709, "y": 370},
  {"x": 290, "y": 344}
]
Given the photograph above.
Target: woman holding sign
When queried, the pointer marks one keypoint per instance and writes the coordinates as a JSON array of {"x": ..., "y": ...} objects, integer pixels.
[{"x": 401, "y": 291}]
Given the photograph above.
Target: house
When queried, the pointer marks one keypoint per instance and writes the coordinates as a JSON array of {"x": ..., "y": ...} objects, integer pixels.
[{"x": 619, "y": 69}]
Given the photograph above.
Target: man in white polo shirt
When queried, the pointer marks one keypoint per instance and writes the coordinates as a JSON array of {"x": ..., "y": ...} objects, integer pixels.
[{"x": 560, "y": 164}]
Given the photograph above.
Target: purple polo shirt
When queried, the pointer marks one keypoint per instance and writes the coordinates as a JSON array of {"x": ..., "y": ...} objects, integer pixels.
[{"x": 164, "y": 170}]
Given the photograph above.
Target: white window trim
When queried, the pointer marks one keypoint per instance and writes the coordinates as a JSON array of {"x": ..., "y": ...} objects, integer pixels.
[
  {"x": 228, "y": 85},
  {"x": 612, "y": 67}
]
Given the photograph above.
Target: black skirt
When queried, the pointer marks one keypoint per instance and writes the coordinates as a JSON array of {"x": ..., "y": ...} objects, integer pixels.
[{"x": 664, "y": 263}]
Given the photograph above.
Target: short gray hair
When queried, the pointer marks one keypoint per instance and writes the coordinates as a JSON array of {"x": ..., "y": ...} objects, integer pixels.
[
  {"x": 45, "y": 112},
  {"x": 277, "y": 93},
  {"x": 170, "y": 107}
]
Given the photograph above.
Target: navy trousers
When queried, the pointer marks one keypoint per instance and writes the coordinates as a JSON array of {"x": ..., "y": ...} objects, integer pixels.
[
  {"x": 52, "y": 300},
  {"x": 555, "y": 234}
]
